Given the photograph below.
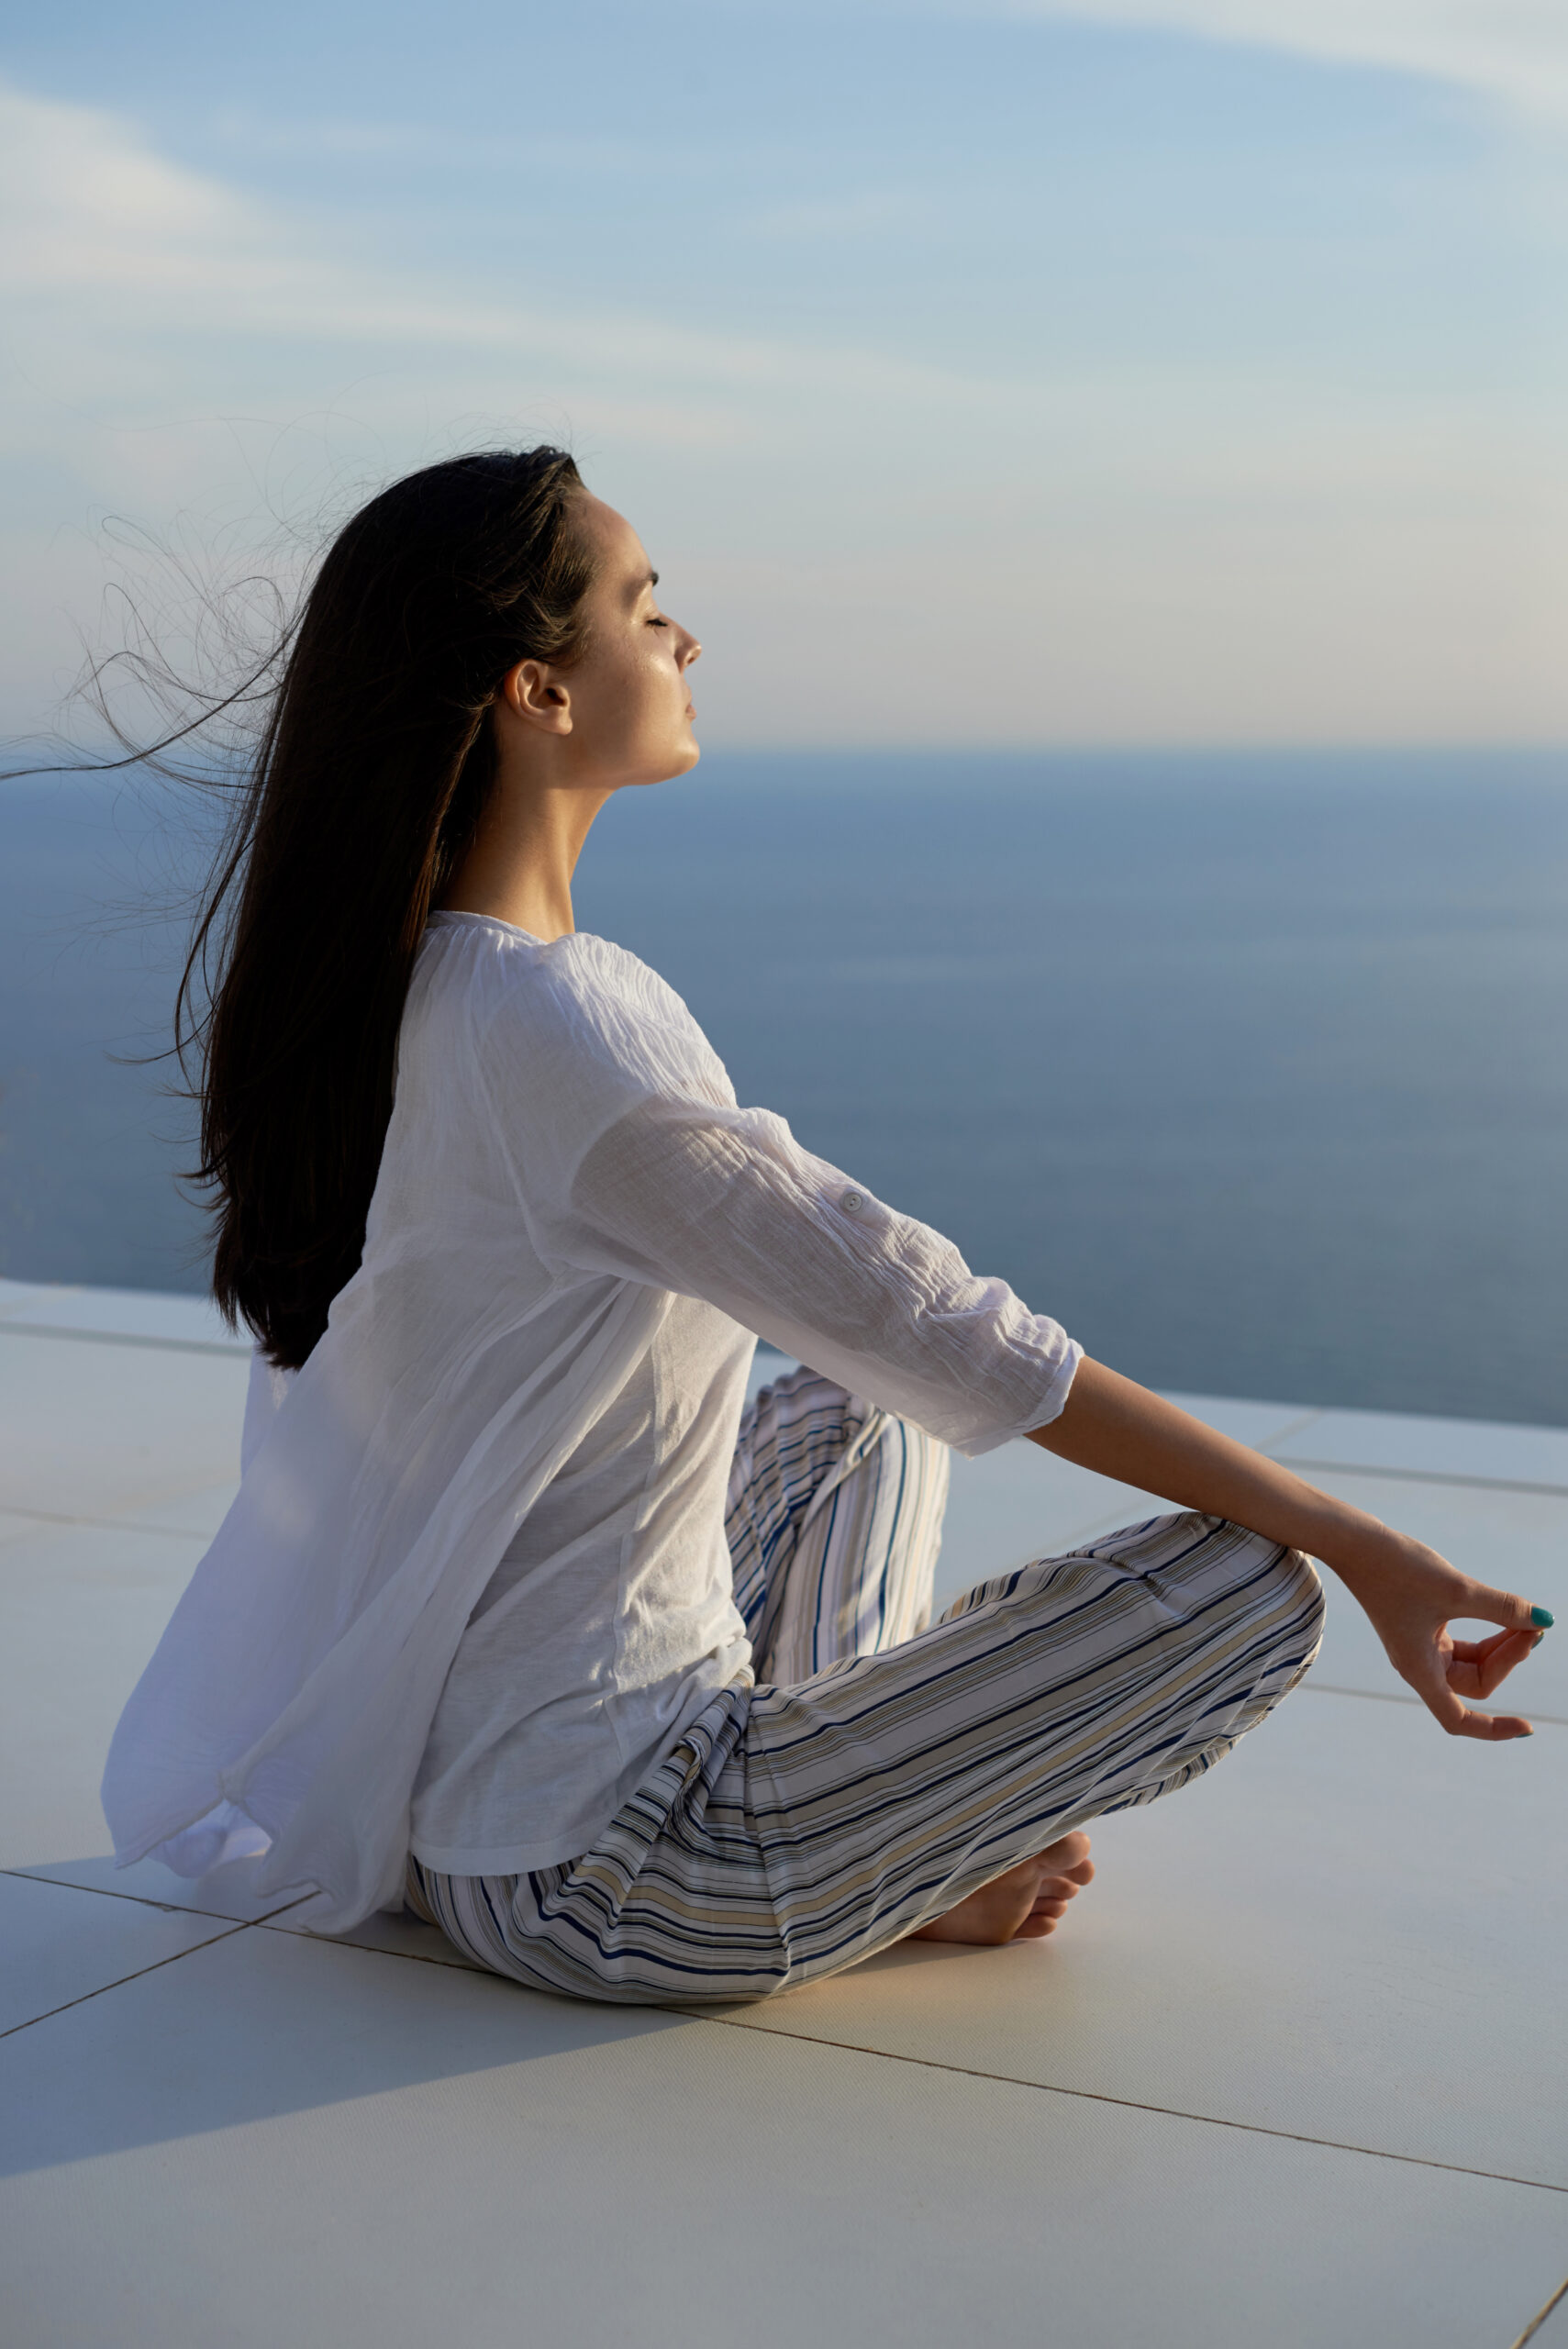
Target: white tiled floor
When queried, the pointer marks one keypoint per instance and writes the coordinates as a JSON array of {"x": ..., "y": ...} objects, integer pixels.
[
  {"x": 281, "y": 2140},
  {"x": 147, "y": 1319},
  {"x": 1290, "y": 2074},
  {"x": 86, "y": 1428},
  {"x": 1442, "y": 1448},
  {"x": 1351, "y": 1884},
  {"x": 1019, "y": 1503},
  {"x": 59, "y": 1944}
]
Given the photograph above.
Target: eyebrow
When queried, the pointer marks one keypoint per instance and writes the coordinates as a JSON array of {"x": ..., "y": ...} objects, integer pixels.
[{"x": 649, "y": 579}]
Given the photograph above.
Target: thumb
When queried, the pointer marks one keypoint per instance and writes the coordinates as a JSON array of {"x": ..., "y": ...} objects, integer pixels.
[{"x": 1502, "y": 1607}]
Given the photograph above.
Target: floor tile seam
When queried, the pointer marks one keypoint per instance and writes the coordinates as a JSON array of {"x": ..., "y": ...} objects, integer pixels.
[
  {"x": 148, "y": 1899},
  {"x": 924, "y": 2063},
  {"x": 1533, "y": 2327},
  {"x": 373, "y": 1949},
  {"x": 11, "y": 1329},
  {"x": 1432, "y": 1476},
  {"x": 105, "y": 1524},
  {"x": 1391, "y": 1697},
  {"x": 1297, "y": 1426},
  {"x": 1135, "y": 2104},
  {"x": 121, "y": 1979}
]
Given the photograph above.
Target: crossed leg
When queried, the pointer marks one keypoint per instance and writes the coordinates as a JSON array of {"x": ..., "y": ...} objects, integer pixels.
[
  {"x": 898, "y": 1778},
  {"x": 834, "y": 1521}
]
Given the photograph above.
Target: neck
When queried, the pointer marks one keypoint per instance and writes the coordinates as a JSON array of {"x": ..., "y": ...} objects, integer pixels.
[{"x": 520, "y": 863}]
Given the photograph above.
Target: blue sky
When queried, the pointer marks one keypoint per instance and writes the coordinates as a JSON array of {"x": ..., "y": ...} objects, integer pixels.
[{"x": 1191, "y": 371}]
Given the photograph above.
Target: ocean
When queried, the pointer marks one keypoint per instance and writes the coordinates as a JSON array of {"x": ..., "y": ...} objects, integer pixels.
[{"x": 1252, "y": 1068}]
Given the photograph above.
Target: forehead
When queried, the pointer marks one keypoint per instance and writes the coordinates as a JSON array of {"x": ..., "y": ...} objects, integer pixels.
[{"x": 618, "y": 549}]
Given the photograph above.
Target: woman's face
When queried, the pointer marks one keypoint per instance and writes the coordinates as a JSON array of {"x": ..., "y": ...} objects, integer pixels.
[{"x": 627, "y": 697}]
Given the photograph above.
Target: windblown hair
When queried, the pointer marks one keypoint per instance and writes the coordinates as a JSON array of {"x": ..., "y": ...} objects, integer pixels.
[{"x": 370, "y": 769}]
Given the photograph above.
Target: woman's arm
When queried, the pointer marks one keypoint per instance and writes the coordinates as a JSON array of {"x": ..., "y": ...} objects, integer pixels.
[
  {"x": 722, "y": 1203},
  {"x": 1409, "y": 1593}
]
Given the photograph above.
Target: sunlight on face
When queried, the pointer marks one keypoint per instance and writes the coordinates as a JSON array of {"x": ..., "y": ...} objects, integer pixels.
[{"x": 631, "y": 708}]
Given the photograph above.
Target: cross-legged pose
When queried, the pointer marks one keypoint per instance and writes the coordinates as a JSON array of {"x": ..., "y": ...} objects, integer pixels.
[{"x": 521, "y": 1615}]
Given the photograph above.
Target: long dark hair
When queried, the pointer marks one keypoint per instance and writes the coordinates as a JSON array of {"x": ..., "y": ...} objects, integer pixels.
[{"x": 371, "y": 766}]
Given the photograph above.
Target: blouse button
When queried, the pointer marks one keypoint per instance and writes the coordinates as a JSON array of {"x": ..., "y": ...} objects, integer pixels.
[{"x": 852, "y": 1201}]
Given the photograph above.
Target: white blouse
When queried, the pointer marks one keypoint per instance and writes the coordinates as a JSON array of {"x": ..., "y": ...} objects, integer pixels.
[{"x": 474, "y": 1583}]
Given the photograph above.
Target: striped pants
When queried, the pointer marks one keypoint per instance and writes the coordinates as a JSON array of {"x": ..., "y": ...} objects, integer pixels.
[{"x": 881, "y": 1770}]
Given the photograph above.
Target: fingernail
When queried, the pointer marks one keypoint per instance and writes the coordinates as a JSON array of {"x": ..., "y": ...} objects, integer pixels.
[{"x": 1542, "y": 1618}]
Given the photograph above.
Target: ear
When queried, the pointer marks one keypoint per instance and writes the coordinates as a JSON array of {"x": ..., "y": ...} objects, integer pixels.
[{"x": 536, "y": 695}]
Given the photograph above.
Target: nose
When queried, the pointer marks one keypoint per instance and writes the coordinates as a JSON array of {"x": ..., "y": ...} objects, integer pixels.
[{"x": 690, "y": 649}]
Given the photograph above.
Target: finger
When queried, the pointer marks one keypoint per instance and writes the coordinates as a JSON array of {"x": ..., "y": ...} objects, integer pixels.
[
  {"x": 1492, "y": 1728},
  {"x": 1461, "y": 1722},
  {"x": 1475, "y": 1671},
  {"x": 1504, "y": 1607},
  {"x": 1457, "y": 1718},
  {"x": 1510, "y": 1650},
  {"x": 1478, "y": 1650}
]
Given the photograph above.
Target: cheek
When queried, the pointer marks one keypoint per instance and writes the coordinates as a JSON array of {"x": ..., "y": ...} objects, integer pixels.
[
  {"x": 620, "y": 687},
  {"x": 640, "y": 694},
  {"x": 659, "y": 690}
]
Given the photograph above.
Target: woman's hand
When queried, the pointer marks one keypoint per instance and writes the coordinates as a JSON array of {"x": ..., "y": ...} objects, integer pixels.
[{"x": 1410, "y": 1594}]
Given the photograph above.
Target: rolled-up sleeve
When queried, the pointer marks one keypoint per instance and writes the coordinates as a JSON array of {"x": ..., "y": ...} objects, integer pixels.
[
  {"x": 724, "y": 1204},
  {"x": 629, "y": 1156}
]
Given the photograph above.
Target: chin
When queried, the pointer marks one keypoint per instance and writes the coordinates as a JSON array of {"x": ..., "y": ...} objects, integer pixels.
[{"x": 675, "y": 762}]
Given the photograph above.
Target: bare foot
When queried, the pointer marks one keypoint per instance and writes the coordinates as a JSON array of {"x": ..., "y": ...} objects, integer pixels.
[{"x": 1022, "y": 1906}]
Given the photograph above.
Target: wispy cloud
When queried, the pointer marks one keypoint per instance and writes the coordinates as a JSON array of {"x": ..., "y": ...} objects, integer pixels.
[
  {"x": 109, "y": 235},
  {"x": 1087, "y": 540},
  {"x": 1514, "y": 49}
]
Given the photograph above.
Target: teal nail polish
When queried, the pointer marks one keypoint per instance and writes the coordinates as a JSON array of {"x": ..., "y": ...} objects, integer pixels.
[{"x": 1541, "y": 1617}]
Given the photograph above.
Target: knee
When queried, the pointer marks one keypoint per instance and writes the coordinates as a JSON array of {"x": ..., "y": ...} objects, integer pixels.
[
  {"x": 1300, "y": 1588},
  {"x": 1282, "y": 1591}
]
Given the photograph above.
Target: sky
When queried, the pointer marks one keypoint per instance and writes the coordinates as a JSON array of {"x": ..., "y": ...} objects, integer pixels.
[{"x": 1186, "y": 373}]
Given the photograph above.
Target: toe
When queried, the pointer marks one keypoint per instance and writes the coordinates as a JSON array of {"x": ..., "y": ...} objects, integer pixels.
[
  {"x": 1068, "y": 1851},
  {"x": 1061, "y": 1887}
]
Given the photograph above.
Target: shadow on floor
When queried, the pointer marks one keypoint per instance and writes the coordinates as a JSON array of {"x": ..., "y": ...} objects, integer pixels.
[{"x": 264, "y": 2022}]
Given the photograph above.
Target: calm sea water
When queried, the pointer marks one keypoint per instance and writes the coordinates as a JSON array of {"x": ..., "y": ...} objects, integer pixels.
[{"x": 1252, "y": 1070}]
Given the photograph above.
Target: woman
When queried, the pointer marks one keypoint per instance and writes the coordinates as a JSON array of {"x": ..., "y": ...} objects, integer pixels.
[{"x": 518, "y": 1613}]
